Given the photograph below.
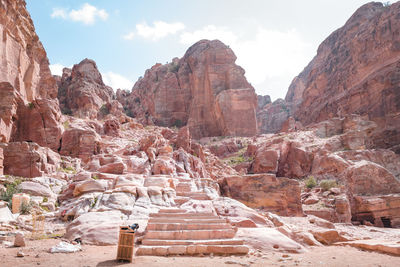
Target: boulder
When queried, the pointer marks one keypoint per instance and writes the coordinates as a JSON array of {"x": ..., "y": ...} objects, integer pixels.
[
  {"x": 5, "y": 213},
  {"x": 19, "y": 240},
  {"x": 29, "y": 159},
  {"x": 111, "y": 127},
  {"x": 113, "y": 168},
  {"x": 80, "y": 142},
  {"x": 36, "y": 189},
  {"x": 96, "y": 228},
  {"x": 265, "y": 160},
  {"x": 269, "y": 239},
  {"x": 89, "y": 186},
  {"x": 265, "y": 191}
]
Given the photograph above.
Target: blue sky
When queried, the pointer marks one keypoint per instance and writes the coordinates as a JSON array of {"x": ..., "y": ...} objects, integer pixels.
[{"x": 273, "y": 40}]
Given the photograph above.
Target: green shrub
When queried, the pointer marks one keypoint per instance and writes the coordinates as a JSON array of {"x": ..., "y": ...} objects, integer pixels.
[
  {"x": 104, "y": 110},
  {"x": 310, "y": 182},
  {"x": 45, "y": 199},
  {"x": 11, "y": 189},
  {"x": 26, "y": 208},
  {"x": 66, "y": 125},
  {"x": 94, "y": 202},
  {"x": 68, "y": 169},
  {"x": 95, "y": 177},
  {"x": 44, "y": 208},
  {"x": 66, "y": 111},
  {"x": 30, "y": 105},
  {"x": 327, "y": 184},
  {"x": 174, "y": 67}
]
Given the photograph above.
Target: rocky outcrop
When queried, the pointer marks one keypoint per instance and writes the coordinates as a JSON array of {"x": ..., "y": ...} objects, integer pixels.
[
  {"x": 356, "y": 70},
  {"x": 272, "y": 116},
  {"x": 204, "y": 90},
  {"x": 80, "y": 142},
  {"x": 28, "y": 106},
  {"x": 265, "y": 191},
  {"x": 29, "y": 159},
  {"x": 82, "y": 92}
]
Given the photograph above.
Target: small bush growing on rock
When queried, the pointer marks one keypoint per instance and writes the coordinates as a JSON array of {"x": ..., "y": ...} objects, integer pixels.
[
  {"x": 327, "y": 184},
  {"x": 95, "y": 177},
  {"x": 66, "y": 125},
  {"x": 174, "y": 67},
  {"x": 310, "y": 182},
  {"x": 66, "y": 111},
  {"x": 45, "y": 199},
  {"x": 68, "y": 169},
  {"x": 44, "y": 208},
  {"x": 31, "y": 105},
  {"x": 26, "y": 208},
  {"x": 11, "y": 189},
  {"x": 104, "y": 110},
  {"x": 94, "y": 202}
]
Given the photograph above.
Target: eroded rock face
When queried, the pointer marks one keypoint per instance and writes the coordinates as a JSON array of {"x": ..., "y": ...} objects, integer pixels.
[
  {"x": 204, "y": 90},
  {"x": 82, "y": 92},
  {"x": 28, "y": 105},
  {"x": 272, "y": 116},
  {"x": 29, "y": 159},
  {"x": 356, "y": 70},
  {"x": 39, "y": 122},
  {"x": 265, "y": 191},
  {"x": 80, "y": 142}
]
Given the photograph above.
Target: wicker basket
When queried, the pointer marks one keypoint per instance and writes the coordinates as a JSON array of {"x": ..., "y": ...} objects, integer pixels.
[{"x": 126, "y": 243}]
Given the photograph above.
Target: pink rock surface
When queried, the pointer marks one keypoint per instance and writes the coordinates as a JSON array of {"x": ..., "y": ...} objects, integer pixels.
[
  {"x": 265, "y": 191},
  {"x": 29, "y": 159},
  {"x": 350, "y": 73},
  {"x": 204, "y": 90},
  {"x": 28, "y": 106}
]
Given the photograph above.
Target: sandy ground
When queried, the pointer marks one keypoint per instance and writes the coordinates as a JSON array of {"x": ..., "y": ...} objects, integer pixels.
[{"x": 36, "y": 254}]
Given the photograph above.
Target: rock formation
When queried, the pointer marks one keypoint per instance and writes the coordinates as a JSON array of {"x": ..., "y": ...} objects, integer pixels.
[
  {"x": 356, "y": 70},
  {"x": 29, "y": 159},
  {"x": 266, "y": 191},
  {"x": 218, "y": 194},
  {"x": 82, "y": 92},
  {"x": 28, "y": 106},
  {"x": 204, "y": 90},
  {"x": 271, "y": 116}
]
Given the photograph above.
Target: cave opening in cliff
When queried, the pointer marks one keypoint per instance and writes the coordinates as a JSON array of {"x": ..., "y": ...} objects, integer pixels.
[{"x": 386, "y": 222}]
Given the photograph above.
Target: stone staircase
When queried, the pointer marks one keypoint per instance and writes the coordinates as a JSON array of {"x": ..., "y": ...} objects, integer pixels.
[{"x": 175, "y": 231}]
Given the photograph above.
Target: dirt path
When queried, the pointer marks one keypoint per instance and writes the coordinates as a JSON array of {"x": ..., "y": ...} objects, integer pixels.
[{"x": 36, "y": 255}]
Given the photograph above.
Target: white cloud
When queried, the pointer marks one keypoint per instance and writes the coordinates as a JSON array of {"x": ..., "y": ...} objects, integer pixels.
[
  {"x": 56, "y": 69},
  {"x": 129, "y": 36},
  {"x": 209, "y": 32},
  {"x": 159, "y": 30},
  {"x": 117, "y": 81},
  {"x": 87, "y": 14},
  {"x": 59, "y": 13},
  {"x": 271, "y": 58}
]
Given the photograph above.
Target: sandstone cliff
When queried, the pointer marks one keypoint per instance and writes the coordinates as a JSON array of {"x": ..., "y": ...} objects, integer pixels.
[
  {"x": 28, "y": 106},
  {"x": 356, "y": 70},
  {"x": 82, "y": 92},
  {"x": 204, "y": 90}
]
